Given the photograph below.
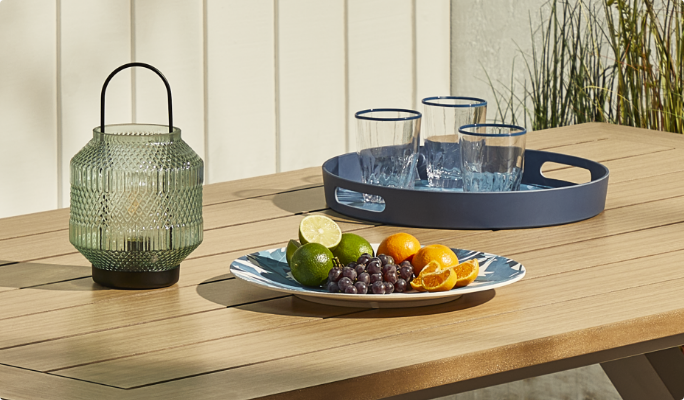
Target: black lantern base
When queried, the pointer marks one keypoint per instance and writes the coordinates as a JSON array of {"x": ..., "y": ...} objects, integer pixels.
[{"x": 135, "y": 279}]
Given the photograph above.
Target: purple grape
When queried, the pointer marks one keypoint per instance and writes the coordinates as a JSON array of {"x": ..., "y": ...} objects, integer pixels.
[
  {"x": 334, "y": 275},
  {"x": 360, "y": 268},
  {"x": 389, "y": 287},
  {"x": 375, "y": 278},
  {"x": 344, "y": 282},
  {"x": 361, "y": 287},
  {"x": 389, "y": 267},
  {"x": 406, "y": 263},
  {"x": 364, "y": 258},
  {"x": 374, "y": 267},
  {"x": 391, "y": 277},
  {"x": 386, "y": 259},
  {"x": 400, "y": 286},
  {"x": 406, "y": 272},
  {"x": 364, "y": 277},
  {"x": 378, "y": 287},
  {"x": 351, "y": 265},
  {"x": 332, "y": 287},
  {"x": 351, "y": 289},
  {"x": 349, "y": 273}
]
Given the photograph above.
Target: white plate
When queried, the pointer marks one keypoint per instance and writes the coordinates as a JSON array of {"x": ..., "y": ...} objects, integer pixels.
[{"x": 269, "y": 269}]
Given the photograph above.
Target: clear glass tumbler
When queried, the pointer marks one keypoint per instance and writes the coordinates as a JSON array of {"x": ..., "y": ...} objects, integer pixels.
[
  {"x": 492, "y": 156},
  {"x": 387, "y": 142},
  {"x": 443, "y": 116}
]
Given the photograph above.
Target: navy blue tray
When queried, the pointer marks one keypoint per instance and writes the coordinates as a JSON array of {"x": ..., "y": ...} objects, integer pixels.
[{"x": 540, "y": 202}]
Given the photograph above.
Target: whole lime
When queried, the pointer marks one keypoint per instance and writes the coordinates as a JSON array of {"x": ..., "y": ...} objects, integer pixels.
[
  {"x": 292, "y": 245},
  {"x": 311, "y": 263},
  {"x": 351, "y": 247}
]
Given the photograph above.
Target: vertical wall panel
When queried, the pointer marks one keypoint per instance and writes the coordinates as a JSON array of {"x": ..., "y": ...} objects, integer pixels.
[
  {"x": 380, "y": 57},
  {"x": 433, "y": 42},
  {"x": 240, "y": 89},
  {"x": 169, "y": 36},
  {"x": 258, "y": 86},
  {"x": 95, "y": 40},
  {"x": 28, "y": 154},
  {"x": 312, "y": 82}
]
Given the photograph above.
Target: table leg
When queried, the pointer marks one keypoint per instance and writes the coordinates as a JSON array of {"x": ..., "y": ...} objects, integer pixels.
[{"x": 656, "y": 376}]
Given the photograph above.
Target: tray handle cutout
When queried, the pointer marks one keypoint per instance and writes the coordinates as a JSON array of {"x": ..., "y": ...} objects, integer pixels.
[
  {"x": 354, "y": 199},
  {"x": 533, "y": 168}
]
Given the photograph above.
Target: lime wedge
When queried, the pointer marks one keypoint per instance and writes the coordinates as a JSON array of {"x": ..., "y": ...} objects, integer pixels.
[
  {"x": 319, "y": 229},
  {"x": 292, "y": 245}
]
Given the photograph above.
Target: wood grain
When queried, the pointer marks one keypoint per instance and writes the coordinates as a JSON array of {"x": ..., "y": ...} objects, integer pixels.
[
  {"x": 485, "y": 346},
  {"x": 337, "y": 332},
  {"x": 22, "y": 384},
  {"x": 603, "y": 286},
  {"x": 73, "y": 317}
]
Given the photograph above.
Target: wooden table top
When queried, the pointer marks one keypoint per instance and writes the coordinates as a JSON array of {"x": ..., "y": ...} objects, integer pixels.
[{"x": 595, "y": 290}]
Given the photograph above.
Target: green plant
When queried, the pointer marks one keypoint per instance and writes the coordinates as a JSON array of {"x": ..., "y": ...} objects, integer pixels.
[{"x": 619, "y": 61}]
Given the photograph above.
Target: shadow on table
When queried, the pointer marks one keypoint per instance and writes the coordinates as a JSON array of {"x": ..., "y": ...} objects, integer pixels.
[
  {"x": 267, "y": 301},
  {"x": 312, "y": 182},
  {"x": 47, "y": 276}
]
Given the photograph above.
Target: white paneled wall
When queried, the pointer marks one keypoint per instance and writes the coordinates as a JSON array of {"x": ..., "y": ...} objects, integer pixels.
[{"x": 259, "y": 86}]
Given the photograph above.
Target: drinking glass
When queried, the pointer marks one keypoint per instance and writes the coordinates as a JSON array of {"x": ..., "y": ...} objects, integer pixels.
[
  {"x": 492, "y": 157},
  {"x": 387, "y": 142},
  {"x": 443, "y": 116}
]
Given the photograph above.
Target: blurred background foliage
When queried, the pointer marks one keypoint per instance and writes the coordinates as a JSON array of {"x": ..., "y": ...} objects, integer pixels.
[{"x": 616, "y": 61}]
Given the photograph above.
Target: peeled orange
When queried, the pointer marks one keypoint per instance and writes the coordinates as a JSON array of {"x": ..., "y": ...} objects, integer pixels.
[
  {"x": 417, "y": 284},
  {"x": 433, "y": 252},
  {"x": 440, "y": 281},
  {"x": 432, "y": 266},
  {"x": 466, "y": 272},
  {"x": 401, "y": 246}
]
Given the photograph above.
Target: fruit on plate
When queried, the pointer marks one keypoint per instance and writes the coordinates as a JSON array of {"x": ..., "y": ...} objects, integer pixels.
[
  {"x": 400, "y": 246},
  {"x": 351, "y": 247},
  {"x": 433, "y": 252},
  {"x": 371, "y": 275},
  {"x": 440, "y": 281},
  {"x": 292, "y": 245},
  {"x": 311, "y": 264},
  {"x": 467, "y": 272},
  {"x": 417, "y": 282},
  {"x": 319, "y": 229}
]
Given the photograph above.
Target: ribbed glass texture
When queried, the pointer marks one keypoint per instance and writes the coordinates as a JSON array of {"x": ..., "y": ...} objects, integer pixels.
[{"x": 136, "y": 198}]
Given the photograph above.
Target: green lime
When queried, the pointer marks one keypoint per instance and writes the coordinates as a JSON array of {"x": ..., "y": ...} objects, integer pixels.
[
  {"x": 319, "y": 229},
  {"x": 351, "y": 247},
  {"x": 292, "y": 245},
  {"x": 311, "y": 263}
]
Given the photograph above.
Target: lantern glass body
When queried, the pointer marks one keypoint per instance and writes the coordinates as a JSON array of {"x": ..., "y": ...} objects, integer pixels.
[{"x": 136, "y": 199}]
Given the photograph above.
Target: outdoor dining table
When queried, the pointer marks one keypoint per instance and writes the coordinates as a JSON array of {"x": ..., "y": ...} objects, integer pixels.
[{"x": 608, "y": 290}]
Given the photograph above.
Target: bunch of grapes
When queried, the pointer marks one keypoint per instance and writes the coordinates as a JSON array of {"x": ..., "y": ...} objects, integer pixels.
[{"x": 376, "y": 275}]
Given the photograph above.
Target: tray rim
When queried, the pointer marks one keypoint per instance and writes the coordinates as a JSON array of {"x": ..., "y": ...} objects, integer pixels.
[{"x": 595, "y": 189}]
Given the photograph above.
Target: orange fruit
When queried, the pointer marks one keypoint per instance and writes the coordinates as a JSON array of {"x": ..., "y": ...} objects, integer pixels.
[
  {"x": 466, "y": 272},
  {"x": 440, "y": 281},
  {"x": 431, "y": 267},
  {"x": 434, "y": 252},
  {"x": 401, "y": 246},
  {"x": 417, "y": 284}
]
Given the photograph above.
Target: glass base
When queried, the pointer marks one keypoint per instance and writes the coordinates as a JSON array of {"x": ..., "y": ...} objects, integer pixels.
[{"x": 135, "y": 279}]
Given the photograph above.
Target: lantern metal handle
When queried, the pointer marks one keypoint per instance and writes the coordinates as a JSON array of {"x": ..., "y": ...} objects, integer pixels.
[{"x": 134, "y": 64}]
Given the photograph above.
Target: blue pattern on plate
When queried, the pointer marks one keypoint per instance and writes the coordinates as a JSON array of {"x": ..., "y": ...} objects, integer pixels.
[{"x": 269, "y": 268}]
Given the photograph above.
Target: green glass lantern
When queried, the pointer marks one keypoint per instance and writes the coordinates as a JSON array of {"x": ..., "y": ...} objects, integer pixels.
[{"x": 136, "y": 201}]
